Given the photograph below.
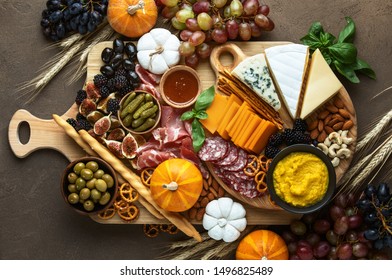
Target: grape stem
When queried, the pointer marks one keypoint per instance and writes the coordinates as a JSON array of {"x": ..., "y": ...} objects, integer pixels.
[{"x": 381, "y": 218}]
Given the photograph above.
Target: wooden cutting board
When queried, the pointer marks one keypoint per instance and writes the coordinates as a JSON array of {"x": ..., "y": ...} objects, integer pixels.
[
  {"x": 237, "y": 51},
  {"x": 46, "y": 134}
]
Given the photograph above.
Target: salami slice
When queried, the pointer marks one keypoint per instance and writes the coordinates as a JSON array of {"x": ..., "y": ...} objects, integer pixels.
[
  {"x": 230, "y": 157},
  {"x": 249, "y": 190},
  {"x": 213, "y": 149},
  {"x": 240, "y": 162}
]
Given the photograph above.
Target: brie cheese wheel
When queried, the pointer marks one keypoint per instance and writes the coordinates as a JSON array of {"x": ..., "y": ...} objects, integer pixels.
[
  {"x": 288, "y": 65},
  {"x": 321, "y": 85},
  {"x": 254, "y": 73}
]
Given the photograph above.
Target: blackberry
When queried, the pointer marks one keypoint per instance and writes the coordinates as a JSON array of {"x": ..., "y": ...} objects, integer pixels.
[
  {"x": 276, "y": 139},
  {"x": 120, "y": 72},
  {"x": 301, "y": 138},
  {"x": 80, "y": 96},
  {"x": 72, "y": 122},
  {"x": 300, "y": 125},
  {"x": 120, "y": 82},
  {"x": 79, "y": 117},
  {"x": 113, "y": 105},
  {"x": 105, "y": 92},
  {"x": 100, "y": 80},
  {"x": 126, "y": 89},
  {"x": 110, "y": 84},
  {"x": 84, "y": 124},
  {"x": 271, "y": 151},
  {"x": 288, "y": 135}
]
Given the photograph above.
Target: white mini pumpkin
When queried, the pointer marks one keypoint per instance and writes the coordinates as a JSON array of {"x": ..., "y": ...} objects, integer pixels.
[
  {"x": 157, "y": 50},
  {"x": 224, "y": 219}
]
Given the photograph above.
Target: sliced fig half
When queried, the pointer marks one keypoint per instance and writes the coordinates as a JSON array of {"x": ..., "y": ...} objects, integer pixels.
[
  {"x": 94, "y": 116},
  {"x": 117, "y": 134},
  {"x": 115, "y": 122},
  {"x": 102, "y": 125},
  {"x": 86, "y": 107},
  {"x": 114, "y": 147},
  {"x": 99, "y": 138},
  {"x": 103, "y": 103},
  {"x": 93, "y": 92},
  {"x": 129, "y": 146}
]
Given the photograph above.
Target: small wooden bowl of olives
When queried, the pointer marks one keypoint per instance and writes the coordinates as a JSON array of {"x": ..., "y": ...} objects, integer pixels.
[{"x": 89, "y": 185}]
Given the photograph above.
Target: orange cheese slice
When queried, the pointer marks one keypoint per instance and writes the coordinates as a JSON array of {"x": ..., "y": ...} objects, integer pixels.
[{"x": 215, "y": 112}]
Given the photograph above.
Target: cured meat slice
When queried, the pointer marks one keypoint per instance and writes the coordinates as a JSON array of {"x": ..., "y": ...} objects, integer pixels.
[
  {"x": 152, "y": 158},
  {"x": 146, "y": 76},
  {"x": 213, "y": 149},
  {"x": 230, "y": 157},
  {"x": 240, "y": 162}
]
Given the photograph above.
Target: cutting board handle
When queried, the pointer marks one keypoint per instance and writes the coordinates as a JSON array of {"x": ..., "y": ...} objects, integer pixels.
[
  {"x": 44, "y": 134},
  {"x": 218, "y": 51}
]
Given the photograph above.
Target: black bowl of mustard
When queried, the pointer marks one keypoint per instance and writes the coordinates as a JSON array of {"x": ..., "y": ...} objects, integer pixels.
[{"x": 301, "y": 179}]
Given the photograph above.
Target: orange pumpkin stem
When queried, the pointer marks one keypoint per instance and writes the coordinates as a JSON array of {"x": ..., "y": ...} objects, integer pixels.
[
  {"x": 132, "y": 9},
  {"x": 172, "y": 186}
]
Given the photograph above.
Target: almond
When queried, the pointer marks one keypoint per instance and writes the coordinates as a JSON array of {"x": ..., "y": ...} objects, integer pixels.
[
  {"x": 197, "y": 205},
  {"x": 192, "y": 213},
  {"x": 323, "y": 115},
  {"x": 314, "y": 133},
  {"x": 214, "y": 192},
  {"x": 327, "y": 119},
  {"x": 338, "y": 126},
  {"x": 215, "y": 185},
  {"x": 332, "y": 108},
  {"x": 203, "y": 192},
  {"x": 200, "y": 214},
  {"x": 221, "y": 192},
  {"x": 338, "y": 103},
  {"x": 339, "y": 117},
  {"x": 320, "y": 126},
  {"x": 322, "y": 136},
  {"x": 328, "y": 129},
  {"x": 312, "y": 125},
  {"x": 347, "y": 125},
  {"x": 205, "y": 184},
  {"x": 210, "y": 196},
  {"x": 209, "y": 180},
  {"x": 344, "y": 113},
  {"x": 204, "y": 202}
]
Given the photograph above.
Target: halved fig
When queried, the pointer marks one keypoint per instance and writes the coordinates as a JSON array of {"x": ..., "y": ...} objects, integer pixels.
[
  {"x": 114, "y": 147},
  {"x": 99, "y": 138},
  {"x": 102, "y": 125},
  {"x": 94, "y": 116},
  {"x": 117, "y": 134},
  {"x": 129, "y": 146},
  {"x": 93, "y": 92},
  {"x": 87, "y": 106},
  {"x": 102, "y": 105},
  {"x": 115, "y": 123}
]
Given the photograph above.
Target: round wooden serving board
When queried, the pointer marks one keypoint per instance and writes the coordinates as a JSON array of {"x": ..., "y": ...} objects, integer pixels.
[{"x": 227, "y": 57}]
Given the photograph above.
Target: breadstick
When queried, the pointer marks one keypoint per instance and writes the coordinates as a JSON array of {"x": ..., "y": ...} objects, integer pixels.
[
  {"x": 175, "y": 218},
  {"x": 70, "y": 131}
]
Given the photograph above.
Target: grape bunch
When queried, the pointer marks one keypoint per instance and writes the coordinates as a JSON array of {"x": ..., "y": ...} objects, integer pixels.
[
  {"x": 338, "y": 231},
  {"x": 376, "y": 206},
  {"x": 62, "y": 17},
  {"x": 205, "y": 21}
]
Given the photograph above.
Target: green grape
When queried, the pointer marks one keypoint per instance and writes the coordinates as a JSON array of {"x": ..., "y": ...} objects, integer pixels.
[
  {"x": 204, "y": 21},
  {"x": 227, "y": 12},
  {"x": 186, "y": 49},
  {"x": 219, "y": 3},
  {"x": 236, "y": 8},
  {"x": 170, "y": 3},
  {"x": 177, "y": 25},
  {"x": 169, "y": 12},
  {"x": 183, "y": 14}
]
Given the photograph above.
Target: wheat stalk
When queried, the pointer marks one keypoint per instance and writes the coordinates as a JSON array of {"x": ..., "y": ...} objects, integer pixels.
[{"x": 190, "y": 252}]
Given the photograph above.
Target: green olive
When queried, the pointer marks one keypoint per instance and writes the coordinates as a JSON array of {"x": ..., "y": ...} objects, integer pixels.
[
  {"x": 94, "y": 200},
  {"x": 92, "y": 165},
  {"x": 84, "y": 193},
  {"x": 81, "y": 200},
  {"x": 98, "y": 174},
  {"x": 91, "y": 183},
  {"x": 86, "y": 174},
  {"x": 101, "y": 185},
  {"x": 108, "y": 179},
  {"x": 105, "y": 198},
  {"x": 95, "y": 194},
  {"x": 80, "y": 183},
  {"x": 72, "y": 177},
  {"x": 78, "y": 167},
  {"x": 88, "y": 205},
  {"x": 73, "y": 198},
  {"x": 72, "y": 188}
]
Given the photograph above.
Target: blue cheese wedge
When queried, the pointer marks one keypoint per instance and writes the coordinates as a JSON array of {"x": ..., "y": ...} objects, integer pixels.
[
  {"x": 322, "y": 84},
  {"x": 288, "y": 65},
  {"x": 254, "y": 73}
]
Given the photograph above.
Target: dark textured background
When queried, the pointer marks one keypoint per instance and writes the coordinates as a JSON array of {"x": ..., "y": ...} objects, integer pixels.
[{"x": 34, "y": 221}]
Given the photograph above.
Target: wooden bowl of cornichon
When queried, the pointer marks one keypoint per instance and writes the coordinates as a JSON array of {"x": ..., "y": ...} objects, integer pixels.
[{"x": 140, "y": 112}]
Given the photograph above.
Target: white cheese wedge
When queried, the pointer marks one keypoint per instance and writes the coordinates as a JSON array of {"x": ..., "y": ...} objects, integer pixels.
[
  {"x": 288, "y": 65},
  {"x": 321, "y": 85},
  {"x": 254, "y": 73}
]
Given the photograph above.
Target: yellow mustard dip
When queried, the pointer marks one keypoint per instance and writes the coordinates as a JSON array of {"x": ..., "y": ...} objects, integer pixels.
[{"x": 301, "y": 179}]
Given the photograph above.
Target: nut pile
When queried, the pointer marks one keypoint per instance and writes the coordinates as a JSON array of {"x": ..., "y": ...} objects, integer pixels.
[
  {"x": 335, "y": 117},
  {"x": 336, "y": 146},
  {"x": 211, "y": 190}
]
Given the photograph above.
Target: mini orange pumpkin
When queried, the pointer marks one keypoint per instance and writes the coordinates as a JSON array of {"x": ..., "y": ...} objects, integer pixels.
[
  {"x": 262, "y": 245},
  {"x": 176, "y": 184},
  {"x": 132, "y": 18}
]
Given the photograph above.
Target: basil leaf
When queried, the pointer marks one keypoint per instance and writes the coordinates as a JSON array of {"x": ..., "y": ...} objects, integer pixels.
[
  {"x": 347, "y": 70},
  {"x": 348, "y": 32},
  {"x": 311, "y": 42},
  {"x": 326, "y": 56},
  {"x": 187, "y": 115},
  {"x": 205, "y": 99},
  {"x": 327, "y": 39},
  {"x": 343, "y": 52},
  {"x": 316, "y": 28},
  {"x": 364, "y": 68},
  {"x": 201, "y": 115},
  {"x": 198, "y": 135}
]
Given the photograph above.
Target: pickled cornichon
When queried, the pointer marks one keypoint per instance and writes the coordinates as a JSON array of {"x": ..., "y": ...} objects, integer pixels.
[
  {"x": 149, "y": 112},
  {"x": 146, "y": 125},
  {"x": 129, "y": 99},
  {"x": 132, "y": 107},
  {"x": 142, "y": 108}
]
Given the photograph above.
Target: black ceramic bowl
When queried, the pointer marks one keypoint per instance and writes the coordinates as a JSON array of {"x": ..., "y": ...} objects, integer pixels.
[
  {"x": 78, "y": 207},
  {"x": 331, "y": 180}
]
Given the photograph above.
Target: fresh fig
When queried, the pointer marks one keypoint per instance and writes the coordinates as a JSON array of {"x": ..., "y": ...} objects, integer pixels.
[
  {"x": 94, "y": 116},
  {"x": 99, "y": 138},
  {"x": 102, "y": 105},
  {"x": 86, "y": 107},
  {"x": 93, "y": 92},
  {"x": 117, "y": 134},
  {"x": 115, "y": 122},
  {"x": 102, "y": 125},
  {"x": 140, "y": 140},
  {"x": 114, "y": 147},
  {"x": 129, "y": 146}
]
